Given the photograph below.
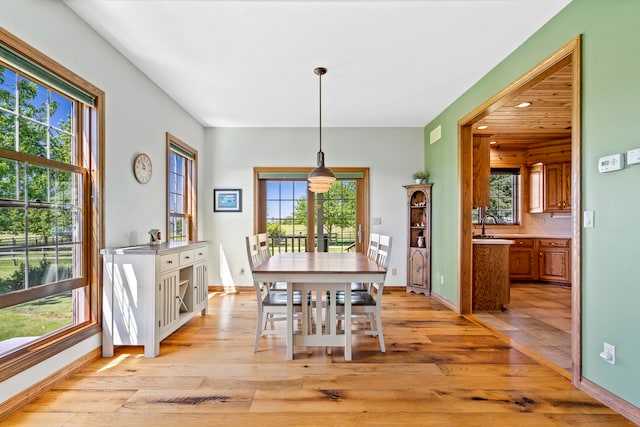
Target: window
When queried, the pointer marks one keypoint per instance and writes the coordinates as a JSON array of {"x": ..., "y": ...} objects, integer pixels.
[
  {"x": 50, "y": 208},
  {"x": 504, "y": 195},
  {"x": 288, "y": 212},
  {"x": 182, "y": 162}
]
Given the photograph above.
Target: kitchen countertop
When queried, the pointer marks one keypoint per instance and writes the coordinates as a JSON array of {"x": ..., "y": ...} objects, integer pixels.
[
  {"x": 495, "y": 241},
  {"x": 531, "y": 236}
]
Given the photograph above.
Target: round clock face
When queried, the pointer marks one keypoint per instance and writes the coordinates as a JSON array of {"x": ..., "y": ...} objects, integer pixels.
[{"x": 142, "y": 168}]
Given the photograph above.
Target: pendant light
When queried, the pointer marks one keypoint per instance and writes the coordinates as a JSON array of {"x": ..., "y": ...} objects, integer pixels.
[{"x": 320, "y": 178}]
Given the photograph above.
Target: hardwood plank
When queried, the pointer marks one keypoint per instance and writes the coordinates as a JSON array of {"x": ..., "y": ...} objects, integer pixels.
[{"x": 440, "y": 369}]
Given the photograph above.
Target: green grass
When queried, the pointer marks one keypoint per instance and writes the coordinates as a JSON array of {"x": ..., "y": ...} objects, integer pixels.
[{"x": 36, "y": 318}]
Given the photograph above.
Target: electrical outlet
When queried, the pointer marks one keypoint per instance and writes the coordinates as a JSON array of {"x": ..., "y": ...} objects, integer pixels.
[
  {"x": 442, "y": 279},
  {"x": 394, "y": 271},
  {"x": 609, "y": 353}
]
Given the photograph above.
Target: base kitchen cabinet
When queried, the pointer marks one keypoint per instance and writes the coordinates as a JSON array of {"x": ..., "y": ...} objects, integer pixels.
[
  {"x": 149, "y": 291},
  {"x": 523, "y": 259},
  {"x": 547, "y": 260},
  {"x": 555, "y": 260}
]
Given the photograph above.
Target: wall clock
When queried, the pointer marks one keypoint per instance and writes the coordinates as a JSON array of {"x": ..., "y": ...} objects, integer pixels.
[{"x": 142, "y": 168}]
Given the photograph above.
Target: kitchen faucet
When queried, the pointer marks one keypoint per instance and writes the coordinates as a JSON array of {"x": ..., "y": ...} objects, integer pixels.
[{"x": 495, "y": 221}]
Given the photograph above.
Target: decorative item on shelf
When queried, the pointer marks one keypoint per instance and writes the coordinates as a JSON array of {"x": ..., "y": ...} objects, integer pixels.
[
  {"x": 321, "y": 178},
  {"x": 420, "y": 240},
  {"x": 155, "y": 236},
  {"x": 421, "y": 177}
]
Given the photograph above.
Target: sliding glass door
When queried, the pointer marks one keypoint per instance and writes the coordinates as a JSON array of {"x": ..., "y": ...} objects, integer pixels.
[{"x": 298, "y": 220}]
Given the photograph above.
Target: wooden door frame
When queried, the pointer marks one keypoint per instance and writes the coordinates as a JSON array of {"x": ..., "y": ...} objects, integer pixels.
[{"x": 571, "y": 52}]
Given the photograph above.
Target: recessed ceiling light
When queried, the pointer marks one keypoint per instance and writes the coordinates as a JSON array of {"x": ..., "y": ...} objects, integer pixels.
[
  {"x": 481, "y": 127},
  {"x": 524, "y": 104}
]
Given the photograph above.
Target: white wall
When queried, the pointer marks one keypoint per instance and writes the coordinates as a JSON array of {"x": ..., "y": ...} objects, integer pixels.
[
  {"x": 138, "y": 114},
  {"x": 391, "y": 154}
]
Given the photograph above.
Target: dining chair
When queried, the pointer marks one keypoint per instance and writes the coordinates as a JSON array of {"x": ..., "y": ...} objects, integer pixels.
[
  {"x": 367, "y": 306},
  {"x": 372, "y": 253},
  {"x": 265, "y": 250},
  {"x": 272, "y": 306}
]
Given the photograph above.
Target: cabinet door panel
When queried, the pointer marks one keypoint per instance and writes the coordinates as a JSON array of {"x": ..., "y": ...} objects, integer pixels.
[
  {"x": 554, "y": 264},
  {"x": 168, "y": 308},
  {"x": 522, "y": 263},
  {"x": 417, "y": 268},
  {"x": 553, "y": 187}
]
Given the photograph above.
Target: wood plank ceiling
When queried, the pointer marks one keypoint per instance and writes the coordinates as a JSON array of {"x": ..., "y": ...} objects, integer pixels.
[{"x": 547, "y": 119}]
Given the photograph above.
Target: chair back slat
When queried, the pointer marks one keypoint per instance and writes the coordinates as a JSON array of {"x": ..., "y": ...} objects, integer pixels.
[
  {"x": 374, "y": 242},
  {"x": 384, "y": 250}
]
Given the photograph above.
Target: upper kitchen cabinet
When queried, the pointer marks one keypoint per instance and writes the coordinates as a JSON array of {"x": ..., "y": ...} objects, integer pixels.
[
  {"x": 550, "y": 187},
  {"x": 557, "y": 187},
  {"x": 481, "y": 170}
]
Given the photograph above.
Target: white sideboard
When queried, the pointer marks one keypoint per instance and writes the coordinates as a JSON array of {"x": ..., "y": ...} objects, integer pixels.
[{"x": 149, "y": 291}]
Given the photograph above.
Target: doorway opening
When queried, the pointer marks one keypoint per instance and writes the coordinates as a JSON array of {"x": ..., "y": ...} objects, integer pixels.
[{"x": 553, "y": 119}]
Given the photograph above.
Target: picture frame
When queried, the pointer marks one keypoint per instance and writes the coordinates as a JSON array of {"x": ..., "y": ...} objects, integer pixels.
[{"x": 227, "y": 200}]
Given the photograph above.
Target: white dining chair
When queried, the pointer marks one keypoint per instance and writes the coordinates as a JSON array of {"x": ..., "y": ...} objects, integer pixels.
[
  {"x": 366, "y": 307},
  {"x": 272, "y": 306},
  {"x": 372, "y": 253}
]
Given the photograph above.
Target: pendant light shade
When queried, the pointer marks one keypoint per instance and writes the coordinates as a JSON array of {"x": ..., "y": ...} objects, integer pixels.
[{"x": 320, "y": 178}]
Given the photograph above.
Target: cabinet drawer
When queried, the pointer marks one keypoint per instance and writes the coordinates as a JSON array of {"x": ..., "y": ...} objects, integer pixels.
[
  {"x": 553, "y": 243},
  {"x": 522, "y": 243},
  {"x": 187, "y": 257},
  {"x": 169, "y": 261},
  {"x": 201, "y": 253}
]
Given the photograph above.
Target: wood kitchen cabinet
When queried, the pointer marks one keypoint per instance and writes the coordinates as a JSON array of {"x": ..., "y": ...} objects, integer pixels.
[
  {"x": 547, "y": 260},
  {"x": 557, "y": 187},
  {"x": 554, "y": 262},
  {"x": 550, "y": 187},
  {"x": 419, "y": 238},
  {"x": 523, "y": 259},
  {"x": 481, "y": 170}
]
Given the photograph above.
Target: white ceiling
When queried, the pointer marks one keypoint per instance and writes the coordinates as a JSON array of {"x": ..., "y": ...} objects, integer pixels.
[{"x": 250, "y": 63}]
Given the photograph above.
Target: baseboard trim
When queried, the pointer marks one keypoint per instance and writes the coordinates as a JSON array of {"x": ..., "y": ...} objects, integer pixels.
[
  {"x": 26, "y": 396},
  {"x": 614, "y": 402},
  {"x": 445, "y": 302}
]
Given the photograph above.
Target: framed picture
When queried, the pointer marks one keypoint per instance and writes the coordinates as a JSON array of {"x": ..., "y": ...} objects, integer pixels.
[{"x": 227, "y": 200}]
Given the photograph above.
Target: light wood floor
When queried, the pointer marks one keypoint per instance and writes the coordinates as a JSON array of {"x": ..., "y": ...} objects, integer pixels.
[
  {"x": 439, "y": 370},
  {"x": 539, "y": 318}
]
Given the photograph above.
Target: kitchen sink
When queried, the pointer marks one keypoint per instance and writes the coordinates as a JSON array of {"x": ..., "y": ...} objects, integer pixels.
[{"x": 483, "y": 236}]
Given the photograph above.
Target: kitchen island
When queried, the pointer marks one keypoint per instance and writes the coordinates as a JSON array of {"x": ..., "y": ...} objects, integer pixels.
[{"x": 490, "y": 273}]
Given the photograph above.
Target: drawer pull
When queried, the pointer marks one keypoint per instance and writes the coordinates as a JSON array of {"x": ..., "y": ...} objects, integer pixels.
[
  {"x": 522, "y": 243},
  {"x": 169, "y": 262},
  {"x": 187, "y": 257}
]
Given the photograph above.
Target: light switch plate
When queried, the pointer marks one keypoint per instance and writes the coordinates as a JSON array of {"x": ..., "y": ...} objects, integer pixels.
[
  {"x": 633, "y": 156},
  {"x": 587, "y": 221}
]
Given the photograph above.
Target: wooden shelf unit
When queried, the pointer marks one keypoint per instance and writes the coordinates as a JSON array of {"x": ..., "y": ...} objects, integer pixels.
[{"x": 419, "y": 238}]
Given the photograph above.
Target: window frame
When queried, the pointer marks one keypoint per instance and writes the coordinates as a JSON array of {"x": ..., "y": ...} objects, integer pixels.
[
  {"x": 362, "y": 195},
  {"x": 89, "y": 127},
  {"x": 190, "y": 190},
  {"x": 480, "y": 212}
]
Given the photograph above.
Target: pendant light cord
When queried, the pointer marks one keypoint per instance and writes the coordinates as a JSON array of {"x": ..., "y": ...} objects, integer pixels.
[{"x": 320, "y": 127}]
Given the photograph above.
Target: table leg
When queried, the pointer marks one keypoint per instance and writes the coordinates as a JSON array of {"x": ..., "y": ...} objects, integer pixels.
[
  {"x": 347, "y": 321},
  {"x": 289, "y": 321}
]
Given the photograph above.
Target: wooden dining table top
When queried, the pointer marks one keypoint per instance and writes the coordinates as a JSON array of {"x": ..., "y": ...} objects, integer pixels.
[{"x": 319, "y": 262}]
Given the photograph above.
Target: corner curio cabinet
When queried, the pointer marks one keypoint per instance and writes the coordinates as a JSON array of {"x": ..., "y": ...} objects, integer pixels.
[{"x": 419, "y": 238}]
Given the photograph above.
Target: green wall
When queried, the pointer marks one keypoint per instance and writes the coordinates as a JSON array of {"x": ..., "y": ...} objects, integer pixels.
[{"x": 610, "y": 111}]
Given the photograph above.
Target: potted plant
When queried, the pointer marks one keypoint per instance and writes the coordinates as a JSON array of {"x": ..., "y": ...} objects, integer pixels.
[{"x": 421, "y": 177}]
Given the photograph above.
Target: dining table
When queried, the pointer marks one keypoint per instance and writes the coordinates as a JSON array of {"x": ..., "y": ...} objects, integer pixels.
[{"x": 321, "y": 275}]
